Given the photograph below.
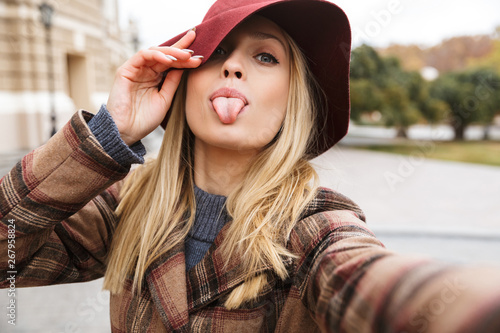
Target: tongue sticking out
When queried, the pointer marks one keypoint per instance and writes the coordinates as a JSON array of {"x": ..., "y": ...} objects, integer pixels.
[{"x": 228, "y": 108}]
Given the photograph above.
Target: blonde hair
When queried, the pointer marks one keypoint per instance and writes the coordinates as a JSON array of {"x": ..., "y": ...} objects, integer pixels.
[{"x": 158, "y": 207}]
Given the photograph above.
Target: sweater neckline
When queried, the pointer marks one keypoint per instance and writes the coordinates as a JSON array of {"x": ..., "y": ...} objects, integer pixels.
[{"x": 211, "y": 215}]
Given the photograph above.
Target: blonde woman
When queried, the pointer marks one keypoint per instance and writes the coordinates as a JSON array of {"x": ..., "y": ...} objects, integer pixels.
[{"x": 226, "y": 230}]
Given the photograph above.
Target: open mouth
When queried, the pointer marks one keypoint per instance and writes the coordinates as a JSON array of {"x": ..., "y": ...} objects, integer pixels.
[{"x": 228, "y": 103}]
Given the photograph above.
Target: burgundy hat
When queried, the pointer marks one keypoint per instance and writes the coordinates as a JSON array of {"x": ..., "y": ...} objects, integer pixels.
[{"x": 322, "y": 31}]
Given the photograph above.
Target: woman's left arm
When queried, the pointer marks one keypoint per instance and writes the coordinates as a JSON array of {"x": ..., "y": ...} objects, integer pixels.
[{"x": 351, "y": 283}]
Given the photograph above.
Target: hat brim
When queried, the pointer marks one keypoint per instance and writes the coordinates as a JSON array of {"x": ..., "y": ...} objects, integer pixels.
[{"x": 322, "y": 31}]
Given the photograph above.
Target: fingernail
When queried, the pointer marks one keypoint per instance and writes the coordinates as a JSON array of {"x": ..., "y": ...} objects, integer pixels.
[
  {"x": 188, "y": 50},
  {"x": 170, "y": 57},
  {"x": 193, "y": 29},
  {"x": 198, "y": 57}
]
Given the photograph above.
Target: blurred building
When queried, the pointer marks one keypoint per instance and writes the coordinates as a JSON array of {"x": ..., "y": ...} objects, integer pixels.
[{"x": 67, "y": 67}]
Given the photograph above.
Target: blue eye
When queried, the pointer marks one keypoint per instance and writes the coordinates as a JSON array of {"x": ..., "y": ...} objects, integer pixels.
[{"x": 267, "y": 58}]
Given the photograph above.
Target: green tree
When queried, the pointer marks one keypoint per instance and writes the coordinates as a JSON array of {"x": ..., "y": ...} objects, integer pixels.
[
  {"x": 471, "y": 96},
  {"x": 398, "y": 109},
  {"x": 379, "y": 83},
  {"x": 432, "y": 109},
  {"x": 365, "y": 96},
  {"x": 366, "y": 64},
  {"x": 486, "y": 97}
]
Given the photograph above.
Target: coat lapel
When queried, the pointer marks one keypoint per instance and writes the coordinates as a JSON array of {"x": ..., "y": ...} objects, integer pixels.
[
  {"x": 166, "y": 281},
  {"x": 177, "y": 293},
  {"x": 209, "y": 279}
]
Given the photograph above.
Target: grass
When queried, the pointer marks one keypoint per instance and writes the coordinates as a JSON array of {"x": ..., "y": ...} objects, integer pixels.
[{"x": 480, "y": 152}]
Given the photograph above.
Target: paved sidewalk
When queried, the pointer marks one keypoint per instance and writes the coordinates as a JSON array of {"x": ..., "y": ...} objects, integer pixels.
[{"x": 446, "y": 210}]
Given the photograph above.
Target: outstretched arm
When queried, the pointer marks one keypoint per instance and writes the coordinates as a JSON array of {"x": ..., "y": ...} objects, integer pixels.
[{"x": 351, "y": 283}]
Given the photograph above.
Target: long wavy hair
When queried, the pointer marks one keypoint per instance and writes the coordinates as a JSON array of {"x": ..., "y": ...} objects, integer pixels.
[{"x": 157, "y": 209}]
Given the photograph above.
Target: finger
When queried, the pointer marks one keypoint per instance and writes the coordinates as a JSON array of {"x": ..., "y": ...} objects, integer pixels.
[
  {"x": 186, "y": 40},
  {"x": 170, "y": 84},
  {"x": 148, "y": 58},
  {"x": 179, "y": 54},
  {"x": 148, "y": 62},
  {"x": 161, "y": 59},
  {"x": 173, "y": 53},
  {"x": 192, "y": 62}
]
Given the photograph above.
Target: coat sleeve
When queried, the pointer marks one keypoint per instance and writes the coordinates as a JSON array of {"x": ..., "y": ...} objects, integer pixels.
[
  {"x": 57, "y": 210},
  {"x": 351, "y": 283}
]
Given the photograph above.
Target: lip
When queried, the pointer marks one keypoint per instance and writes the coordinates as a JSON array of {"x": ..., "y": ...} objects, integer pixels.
[{"x": 228, "y": 93}]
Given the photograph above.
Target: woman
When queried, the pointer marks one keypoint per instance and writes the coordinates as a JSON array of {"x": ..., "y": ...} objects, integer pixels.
[{"x": 227, "y": 230}]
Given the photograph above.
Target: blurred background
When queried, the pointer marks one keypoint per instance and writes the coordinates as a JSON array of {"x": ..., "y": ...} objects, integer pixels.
[{"x": 422, "y": 156}]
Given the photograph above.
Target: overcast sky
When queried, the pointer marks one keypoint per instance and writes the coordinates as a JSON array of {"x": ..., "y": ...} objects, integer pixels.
[{"x": 375, "y": 22}]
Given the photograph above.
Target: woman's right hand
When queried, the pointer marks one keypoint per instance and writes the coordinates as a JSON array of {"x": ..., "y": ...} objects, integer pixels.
[{"x": 136, "y": 105}]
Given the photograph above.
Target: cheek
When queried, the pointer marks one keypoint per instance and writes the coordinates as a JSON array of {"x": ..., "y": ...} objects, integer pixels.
[
  {"x": 276, "y": 106},
  {"x": 189, "y": 107},
  {"x": 269, "y": 121}
]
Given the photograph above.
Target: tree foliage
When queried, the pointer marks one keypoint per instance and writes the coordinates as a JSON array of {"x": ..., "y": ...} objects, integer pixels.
[
  {"x": 470, "y": 96},
  {"x": 365, "y": 96},
  {"x": 404, "y": 97},
  {"x": 379, "y": 83}
]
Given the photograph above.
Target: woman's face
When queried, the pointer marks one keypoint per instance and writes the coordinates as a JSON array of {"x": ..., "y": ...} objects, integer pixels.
[{"x": 237, "y": 100}]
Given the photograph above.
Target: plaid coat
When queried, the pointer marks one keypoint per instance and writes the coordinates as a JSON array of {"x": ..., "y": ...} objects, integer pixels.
[{"x": 60, "y": 200}]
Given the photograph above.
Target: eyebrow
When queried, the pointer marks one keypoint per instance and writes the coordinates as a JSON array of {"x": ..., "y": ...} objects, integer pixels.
[{"x": 263, "y": 35}]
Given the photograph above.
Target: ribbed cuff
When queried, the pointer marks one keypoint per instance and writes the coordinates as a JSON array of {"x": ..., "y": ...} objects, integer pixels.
[{"x": 104, "y": 129}]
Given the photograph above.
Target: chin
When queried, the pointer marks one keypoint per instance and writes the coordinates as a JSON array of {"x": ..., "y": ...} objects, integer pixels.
[
  {"x": 236, "y": 142},
  {"x": 238, "y": 136}
]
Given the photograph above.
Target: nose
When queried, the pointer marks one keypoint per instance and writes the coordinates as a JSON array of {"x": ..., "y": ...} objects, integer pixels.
[
  {"x": 233, "y": 67},
  {"x": 237, "y": 74}
]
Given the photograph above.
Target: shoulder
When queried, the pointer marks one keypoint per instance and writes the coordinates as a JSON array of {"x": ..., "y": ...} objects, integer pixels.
[
  {"x": 329, "y": 200},
  {"x": 329, "y": 217}
]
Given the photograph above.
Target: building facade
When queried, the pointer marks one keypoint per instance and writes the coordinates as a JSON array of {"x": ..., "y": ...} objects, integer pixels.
[{"x": 67, "y": 67}]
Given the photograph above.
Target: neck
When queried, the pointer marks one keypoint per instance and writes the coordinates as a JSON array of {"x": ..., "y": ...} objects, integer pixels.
[{"x": 218, "y": 170}]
